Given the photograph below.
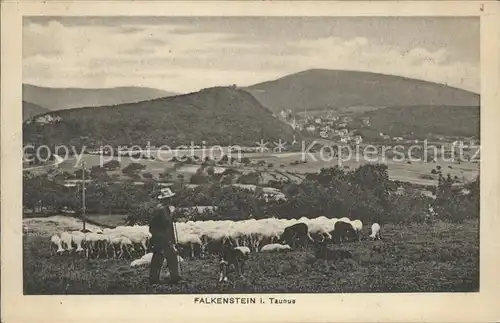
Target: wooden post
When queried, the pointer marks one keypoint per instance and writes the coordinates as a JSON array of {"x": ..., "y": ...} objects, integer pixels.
[
  {"x": 84, "y": 217},
  {"x": 170, "y": 254}
]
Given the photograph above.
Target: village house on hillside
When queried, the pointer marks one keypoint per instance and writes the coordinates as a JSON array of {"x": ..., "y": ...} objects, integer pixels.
[
  {"x": 311, "y": 128},
  {"x": 343, "y": 131},
  {"x": 358, "y": 139},
  {"x": 296, "y": 125},
  {"x": 347, "y": 119},
  {"x": 46, "y": 119}
]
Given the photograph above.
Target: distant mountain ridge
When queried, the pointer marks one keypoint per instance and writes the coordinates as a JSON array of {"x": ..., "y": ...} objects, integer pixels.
[
  {"x": 68, "y": 98},
  {"x": 320, "y": 89},
  {"x": 220, "y": 116}
]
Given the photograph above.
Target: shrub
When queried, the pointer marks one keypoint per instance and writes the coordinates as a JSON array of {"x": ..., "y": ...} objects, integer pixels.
[
  {"x": 250, "y": 178},
  {"x": 133, "y": 168},
  {"x": 147, "y": 175},
  {"x": 78, "y": 174},
  {"x": 112, "y": 165},
  {"x": 198, "y": 178}
]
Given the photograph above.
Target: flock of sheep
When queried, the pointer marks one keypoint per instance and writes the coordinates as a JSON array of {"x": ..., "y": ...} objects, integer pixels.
[{"x": 199, "y": 238}]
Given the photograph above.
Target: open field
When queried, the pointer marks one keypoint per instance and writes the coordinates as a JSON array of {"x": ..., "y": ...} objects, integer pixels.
[
  {"x": 417, "y": 258},
  {"x": 281, "y": 167}
]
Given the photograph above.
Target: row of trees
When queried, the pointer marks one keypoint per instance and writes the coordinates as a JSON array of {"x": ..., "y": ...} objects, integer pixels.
[
  {"x": 44, "y": 194},
  {"x": 365, "y": 193}
]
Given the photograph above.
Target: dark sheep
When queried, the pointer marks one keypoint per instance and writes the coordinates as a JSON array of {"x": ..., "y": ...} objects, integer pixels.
[
  {"x": 343, "y": 231},
  {"x": 297, "y": 232}
]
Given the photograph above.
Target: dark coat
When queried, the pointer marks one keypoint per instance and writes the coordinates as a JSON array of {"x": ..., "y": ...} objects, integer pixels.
[{"x": 158, "y": 227}]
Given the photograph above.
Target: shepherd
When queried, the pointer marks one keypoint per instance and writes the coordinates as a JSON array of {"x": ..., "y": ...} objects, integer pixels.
[{"x": 163, "y": 241}]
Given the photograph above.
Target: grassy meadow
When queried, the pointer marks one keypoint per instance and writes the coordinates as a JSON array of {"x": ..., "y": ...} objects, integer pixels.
[{"x": 439, "y": 257}]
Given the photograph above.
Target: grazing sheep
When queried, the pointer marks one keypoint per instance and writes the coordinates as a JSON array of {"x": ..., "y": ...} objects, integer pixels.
[
  {"x": 358, "y": 227},
  {"x": 190, "y": 239},
  {"x": 343, "y": 230},
  {"x": 244, "y": 250},
  {"x": 233, "y": 257},
  {"x": 103, "y": 242},
  {"x": 92, "y": 242},
  {"x": 296, "y": 232},
  {"x": 375, "y": 235},
  {"x": 274, "y": 247},
  {"x": 115, "y": 242},
  {"x": 78, "y": 238},
  {"x": 126, "y": 245},
  {"x": 56, "y": 241},
  {"x": 67, "y": 240},
  {"x": 146, "y": 260}
]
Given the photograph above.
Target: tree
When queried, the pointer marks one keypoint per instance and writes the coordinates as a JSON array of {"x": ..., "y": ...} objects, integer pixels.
[
  {"x": 141, "y": 214},
  {"x": 133, "y": 168},
  {"x": 112, "y": 165},
  {"x": 78, "y": 173},
  {"x": 250, "y": 178},
  {"x": 147, "y": 175},
  {"x": 96, "y": 171},
  {"x": 227, "y": 179},
  {"x": 452, "y": 204},
  {"x": 198, "y": 178}
]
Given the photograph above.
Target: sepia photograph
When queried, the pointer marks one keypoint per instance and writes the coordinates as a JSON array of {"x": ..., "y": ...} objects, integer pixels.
[
  {"x": 270, "y": 154},
  {"x": 250, "y": 159}
]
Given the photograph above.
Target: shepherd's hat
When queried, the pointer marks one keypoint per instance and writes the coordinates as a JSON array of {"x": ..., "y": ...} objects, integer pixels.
[{"x": 165, "y": 193}]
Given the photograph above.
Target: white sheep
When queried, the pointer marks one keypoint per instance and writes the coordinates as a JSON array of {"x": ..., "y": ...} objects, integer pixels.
[
  {"x": 139, "y": 237},
  {"x": 375, "y": 232},
  {"x": 56, "y": 241},
  {"x": 191, "y": 240},
  {"x": 274, "y": 247},
  {"x": 244, "y": 250},
  {"x": 92, "y": 242},
  {"x": 358, "y": 226},
  {"x": 78, "y": 238},
  {"x": 126, "y": 245},
  {"x": 146, "y": 260},
  {"x": 115, "y": 241},
  {"x": 249, "y": 234},
  {"x": 67, "y": 240}
]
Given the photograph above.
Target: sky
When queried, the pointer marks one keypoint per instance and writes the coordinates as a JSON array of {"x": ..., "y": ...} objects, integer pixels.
[{"x": 186, "y": 54}]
